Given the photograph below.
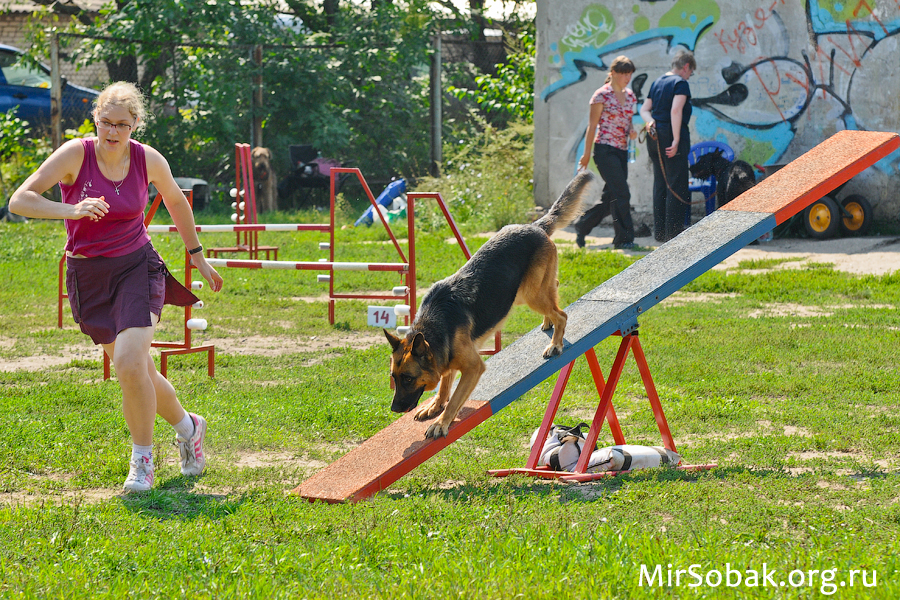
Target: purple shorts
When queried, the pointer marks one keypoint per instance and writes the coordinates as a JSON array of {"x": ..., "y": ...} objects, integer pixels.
[{"x": 108, "y": 295}]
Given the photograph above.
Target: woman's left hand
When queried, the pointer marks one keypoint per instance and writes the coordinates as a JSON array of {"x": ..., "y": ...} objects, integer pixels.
[{"x": 208, "y": 272}]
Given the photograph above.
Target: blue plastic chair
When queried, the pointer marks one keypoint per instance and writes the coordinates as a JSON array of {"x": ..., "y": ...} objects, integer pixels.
[{"x": 706, "y": 186}]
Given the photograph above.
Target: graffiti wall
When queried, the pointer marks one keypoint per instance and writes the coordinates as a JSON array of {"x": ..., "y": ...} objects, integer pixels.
[{"x": 774, "y": 78}]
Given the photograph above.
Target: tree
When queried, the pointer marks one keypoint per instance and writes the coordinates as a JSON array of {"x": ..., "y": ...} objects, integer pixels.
[
  {"x": 350, "y": 80},
  {"x": 509, "y": 94}
]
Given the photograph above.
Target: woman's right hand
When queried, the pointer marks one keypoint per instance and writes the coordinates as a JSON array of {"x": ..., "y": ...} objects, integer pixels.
[
  {"x": 583, "y": 162},
  {"x": 92, "y": 208}
]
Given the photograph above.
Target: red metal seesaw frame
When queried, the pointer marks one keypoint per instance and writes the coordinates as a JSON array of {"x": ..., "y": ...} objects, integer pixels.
[{"x": 605, "y": 410}]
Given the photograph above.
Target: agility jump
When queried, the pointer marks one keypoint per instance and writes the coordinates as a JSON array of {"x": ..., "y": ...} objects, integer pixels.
[{"x": 609, "y": 309}]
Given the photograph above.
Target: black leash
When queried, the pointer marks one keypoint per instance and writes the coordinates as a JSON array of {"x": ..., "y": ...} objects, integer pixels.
[{"x": 650, "y": 132}]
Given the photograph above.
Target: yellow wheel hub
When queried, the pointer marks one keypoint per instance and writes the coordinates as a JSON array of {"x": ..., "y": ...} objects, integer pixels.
[{"x": 819, "y": 217}]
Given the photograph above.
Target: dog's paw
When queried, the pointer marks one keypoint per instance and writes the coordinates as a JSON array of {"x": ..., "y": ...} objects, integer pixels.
[
  {"x": 552, "y": 350},
  {"x": 437, "y": 430},
  {"x": 546, "y": 324},
  {"x": 429, "y": 410}
]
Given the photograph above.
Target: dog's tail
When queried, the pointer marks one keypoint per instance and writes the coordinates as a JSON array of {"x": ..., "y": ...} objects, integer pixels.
[{"x": 568, "y": 206}]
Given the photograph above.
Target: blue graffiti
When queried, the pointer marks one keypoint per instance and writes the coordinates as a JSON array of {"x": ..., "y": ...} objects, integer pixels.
[
  {"x": 572, "y": 70},
  {"x": 713, "y": 116},
  {"x": 822, "y": 22}
]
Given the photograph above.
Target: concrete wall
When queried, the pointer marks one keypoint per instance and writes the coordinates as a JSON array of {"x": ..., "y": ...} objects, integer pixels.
[{"x": 774, "y": 78}]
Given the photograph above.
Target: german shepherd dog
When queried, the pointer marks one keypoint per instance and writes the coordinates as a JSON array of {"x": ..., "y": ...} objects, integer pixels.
[
  {"x": 516, "y": 266},
  {"x": 733, "y": 178}
]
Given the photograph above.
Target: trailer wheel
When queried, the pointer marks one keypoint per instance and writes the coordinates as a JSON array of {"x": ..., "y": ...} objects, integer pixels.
[
  {"x": 821, "y": 218},
  {"x": 861, "y": 215}
]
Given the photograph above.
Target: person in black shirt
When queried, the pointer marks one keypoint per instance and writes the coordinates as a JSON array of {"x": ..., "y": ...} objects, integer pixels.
[{"x": 668, "y": 110}]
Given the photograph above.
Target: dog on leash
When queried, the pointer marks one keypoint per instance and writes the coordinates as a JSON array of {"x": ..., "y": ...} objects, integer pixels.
[
  {"x": 264, "y": 179},
  {"x": 733, "y": 177},
  {"x": 516, "y": 266}
]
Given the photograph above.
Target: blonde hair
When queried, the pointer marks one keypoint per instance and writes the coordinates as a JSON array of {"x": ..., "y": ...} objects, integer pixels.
[
  {"x": 621, "y": 64},
  {"x": 683, "y": 58},
  {"x": 124, "y": 95}
]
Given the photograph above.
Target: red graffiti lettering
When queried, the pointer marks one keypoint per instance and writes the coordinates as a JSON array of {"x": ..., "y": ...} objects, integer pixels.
[
  {"x": 863, "y": 4},
  {"x": 761, "y": 17},
  {"x": 771, "y": 93},
  {"x": 745, "y": 34},
  {"x": 854, "y": 57},
  {"x": 804, "y": 84},
  {"x": 725, "y": 43}
]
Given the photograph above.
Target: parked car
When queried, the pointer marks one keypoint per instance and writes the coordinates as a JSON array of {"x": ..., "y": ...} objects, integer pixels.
[{"x": 28, "y": 87}]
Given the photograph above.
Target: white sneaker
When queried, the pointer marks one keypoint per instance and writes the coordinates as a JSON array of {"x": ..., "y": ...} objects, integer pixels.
[
  {"x": 140, "y": 476},
  {"x": 193, "y": 460}
]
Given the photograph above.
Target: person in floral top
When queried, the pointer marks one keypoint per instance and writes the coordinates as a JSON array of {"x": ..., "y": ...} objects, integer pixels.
[{"x": 609, "y": 129}]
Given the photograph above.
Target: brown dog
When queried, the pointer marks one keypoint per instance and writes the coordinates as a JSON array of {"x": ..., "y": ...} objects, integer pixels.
[
  {"x": 265, "y": 179},
  {"x": 516, "y": 266}
]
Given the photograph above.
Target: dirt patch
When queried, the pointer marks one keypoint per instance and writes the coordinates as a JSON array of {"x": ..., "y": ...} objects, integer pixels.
[
  {"x": 798, "y": 310},
  {"x": 875, "y": 255},
  {"x": 276, "y": 346},
  {"x": 262, "y": 460},
  {"x": 683, "y": 298},
  {"x": 289, "y": 463},
  {"x": 37, "y": 362},
  {"x": 238, "y": 345},
  {"x": 63, "y": 497}
]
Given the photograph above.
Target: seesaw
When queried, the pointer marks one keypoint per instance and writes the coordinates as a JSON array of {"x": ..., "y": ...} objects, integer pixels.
[{"x": 610, "y": 309}]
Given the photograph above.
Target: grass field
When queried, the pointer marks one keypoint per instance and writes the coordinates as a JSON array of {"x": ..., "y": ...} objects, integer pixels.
[{"x": 787, "y": 378}]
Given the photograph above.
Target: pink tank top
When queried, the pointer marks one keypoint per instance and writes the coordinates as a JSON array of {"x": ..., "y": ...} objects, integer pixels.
[{"x": 122, "y": 230}]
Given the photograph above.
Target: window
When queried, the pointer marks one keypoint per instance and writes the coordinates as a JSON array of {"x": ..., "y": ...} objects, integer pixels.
[{"x": 24, "y": 75}]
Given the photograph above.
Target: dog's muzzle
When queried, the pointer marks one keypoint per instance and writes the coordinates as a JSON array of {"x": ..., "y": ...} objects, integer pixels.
[{"x": 404, "y": 402}]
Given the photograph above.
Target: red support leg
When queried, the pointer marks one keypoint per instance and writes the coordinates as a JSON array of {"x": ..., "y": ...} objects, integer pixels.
[
  {"x": 605, "y": 411},
  {"x": 605, "y": 403},
  {"x": 661, "y": 422},
  {"x": 549, "y": 415},
  {"x": 614, "y": 427}
]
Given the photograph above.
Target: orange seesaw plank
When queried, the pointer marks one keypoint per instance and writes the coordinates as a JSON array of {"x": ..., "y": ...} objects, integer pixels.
[
  {"x": 612, "y": 306},
  {"x": 812, "y": 175},
  {"x": 387, "y": 456}
]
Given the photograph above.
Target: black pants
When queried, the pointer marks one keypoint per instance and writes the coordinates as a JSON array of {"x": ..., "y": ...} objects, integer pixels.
[
  {"x": 612, "y": 164},
  {"x": 668, "y": 211}
]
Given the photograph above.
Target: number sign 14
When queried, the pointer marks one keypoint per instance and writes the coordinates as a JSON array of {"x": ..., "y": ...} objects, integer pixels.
[{"x": 382, "y": 316}]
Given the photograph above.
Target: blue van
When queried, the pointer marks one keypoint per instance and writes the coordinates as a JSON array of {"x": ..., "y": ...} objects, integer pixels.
[{"x": 28, "y": 87}]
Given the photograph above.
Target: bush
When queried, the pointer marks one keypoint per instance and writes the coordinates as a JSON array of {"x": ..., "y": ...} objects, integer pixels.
[
  {"x": 509, "y": 94},
  {"x": 20, "y": 156},
  {"x": 487, "y": 179}
]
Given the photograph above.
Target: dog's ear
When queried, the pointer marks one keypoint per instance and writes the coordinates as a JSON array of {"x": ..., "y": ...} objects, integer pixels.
[
  {"x": 392, "y": 339},
  {"x": 419, "y": 345}
]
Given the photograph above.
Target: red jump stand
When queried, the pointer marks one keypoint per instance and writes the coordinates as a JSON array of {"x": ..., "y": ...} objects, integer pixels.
[
  {"x": 244, "y": 209},
  {"x": 605, "y": 411},
  {"x": 172, "y": 348}
]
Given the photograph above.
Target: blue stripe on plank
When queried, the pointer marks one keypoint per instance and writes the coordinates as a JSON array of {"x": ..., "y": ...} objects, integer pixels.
[{"x": 616, "y": 304}]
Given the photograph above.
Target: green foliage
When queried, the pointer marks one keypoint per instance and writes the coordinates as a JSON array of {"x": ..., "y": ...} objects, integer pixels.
[
  {"x": 358, "y": 91},
  {"x": 20, "y": 155},
  {"x": 510, "y": 93},
  {"x": 486, "y": 179}
]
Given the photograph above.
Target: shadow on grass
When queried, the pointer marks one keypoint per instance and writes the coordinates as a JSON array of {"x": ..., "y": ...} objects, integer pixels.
[
  {"x": 175, "y": 499},
  {"x": 523, "y": 485}
]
